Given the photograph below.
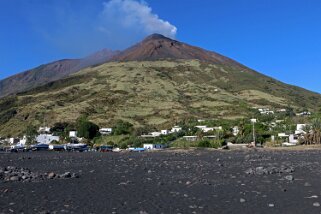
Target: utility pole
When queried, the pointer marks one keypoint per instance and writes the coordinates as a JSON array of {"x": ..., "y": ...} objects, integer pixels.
[
  {"x": 253, "y": 123},
  {"x": 254, "y": 133}
]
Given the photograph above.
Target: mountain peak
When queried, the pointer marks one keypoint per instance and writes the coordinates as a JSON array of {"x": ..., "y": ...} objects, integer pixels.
[
  {"x": 156, "y": 36},
  {"x": 159, "y": 47},
  {"x": 152, "y": 48}
]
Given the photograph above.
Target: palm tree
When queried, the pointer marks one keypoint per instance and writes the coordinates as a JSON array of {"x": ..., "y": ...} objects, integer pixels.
[
  {"x": 316, "y": 128},
  {"x": 31, "y": 133},
  {"x": 241, "y": 128},
  {"x": 313, "y": 136}
]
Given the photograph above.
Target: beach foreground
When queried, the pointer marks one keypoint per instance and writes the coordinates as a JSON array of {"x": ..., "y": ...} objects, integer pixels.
[{"x": 191, "y": 181}]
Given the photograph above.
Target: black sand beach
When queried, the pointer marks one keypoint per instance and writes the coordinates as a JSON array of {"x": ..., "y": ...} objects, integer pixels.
[{"x": 198, "y": 181}]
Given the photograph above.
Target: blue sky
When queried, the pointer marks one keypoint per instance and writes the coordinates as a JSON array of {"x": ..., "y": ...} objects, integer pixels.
[{"x": 281, "y": 39}]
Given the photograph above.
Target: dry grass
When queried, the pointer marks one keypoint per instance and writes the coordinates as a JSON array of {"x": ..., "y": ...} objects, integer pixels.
[
  {"x": 255, "y": 95},
  {"x": 157, "y": 93}
]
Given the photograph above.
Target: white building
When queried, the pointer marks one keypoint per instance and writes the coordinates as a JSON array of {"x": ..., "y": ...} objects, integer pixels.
[
  {"x": 23, "y": 141},
  {"x": 153, "y": 146},
  {"x": 281, "y": 110},
  {"x": 176, "y": 129},
  {"x": 200, "y": 127},
  {"x": 46, "y": 138},
  {"x": 205, "y": 128},
  {"x": 44, "y": 130},
  {"x": 283, "y": 135},
  {"x": 300, "y": 128},
  {"x": 2, "y": 140},
  {"x": 305, "y": 113},
  {"x": 164, "y": 132},
  {"x": 236, "y": 130},
  {"x": 105, "y": 131},
  {"x": 155, "y": 134},
  {"x": 208, "y": 129},
  {"x": 293, "y": 139},
  {"x": 73, "y": 134},
  {"x": 152, "y": 135},
  {"x": 265, "y": 111},
  {"x": 253, "y": 120},
  {"x": 13, "y": 140}
]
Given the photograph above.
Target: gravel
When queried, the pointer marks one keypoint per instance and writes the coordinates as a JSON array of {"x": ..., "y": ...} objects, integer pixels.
[
  {"x": 14, "y": 174},
  {"x": 194, "y": 181}
]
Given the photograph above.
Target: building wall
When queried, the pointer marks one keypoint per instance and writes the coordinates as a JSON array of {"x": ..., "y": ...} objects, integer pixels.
[{"x": 46, "y": 138}]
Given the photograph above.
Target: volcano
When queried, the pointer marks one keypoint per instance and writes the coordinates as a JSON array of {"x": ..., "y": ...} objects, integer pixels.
[
  {"x": 159, "y": 47},
  {"x": 154, "y": 83}
]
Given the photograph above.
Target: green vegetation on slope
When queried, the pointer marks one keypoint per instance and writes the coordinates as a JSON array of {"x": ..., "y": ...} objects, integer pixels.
[{"x": 154, "y": 93}]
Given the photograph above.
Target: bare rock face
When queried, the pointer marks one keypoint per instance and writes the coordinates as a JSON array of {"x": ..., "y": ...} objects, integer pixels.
[{"x": 158, "y": 47}]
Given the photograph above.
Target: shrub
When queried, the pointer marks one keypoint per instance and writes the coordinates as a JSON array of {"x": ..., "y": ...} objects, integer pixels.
[
  {"x": 31, "y": 132},
  {"x": 123, "y": 146},
  {"x": 204, "y": 144},
  {"x": 122, "y": 128},
  {"x": 87, "y": 129},
  {"x": 61, "y": 129},
  {"x": 7, "y": 115},
  {"x": 218, "y": 144}
]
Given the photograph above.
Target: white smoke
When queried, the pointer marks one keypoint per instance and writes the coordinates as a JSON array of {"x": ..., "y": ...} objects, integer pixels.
[
  {"x": 133, "y": 17},
  {"x": 81, "y": 29}
]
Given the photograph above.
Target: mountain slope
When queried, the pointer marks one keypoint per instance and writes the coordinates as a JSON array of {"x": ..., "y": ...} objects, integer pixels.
[
  {"x": 158, "y": 47},
  {"x": 154, "y": 92},
  {"x": 51, "y": 72},
  {"x": 37, "y": 76},
  {"x": 97, "y": 58}
]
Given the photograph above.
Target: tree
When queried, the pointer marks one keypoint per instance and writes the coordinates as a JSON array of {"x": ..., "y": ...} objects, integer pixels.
[
  {"x": 241, "y": 128},
  {"x": 31, "y": 133},
  {"x": 59, "y": 128},
  {"x": 314, "y": 135},
  {"x": 87, "y": 129},
  {"x": 289, "y": 112},
  {"x": 62, "y": 129},
  {"x": 199, "y": 134},
  {"x": 122, "y": 128}
]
